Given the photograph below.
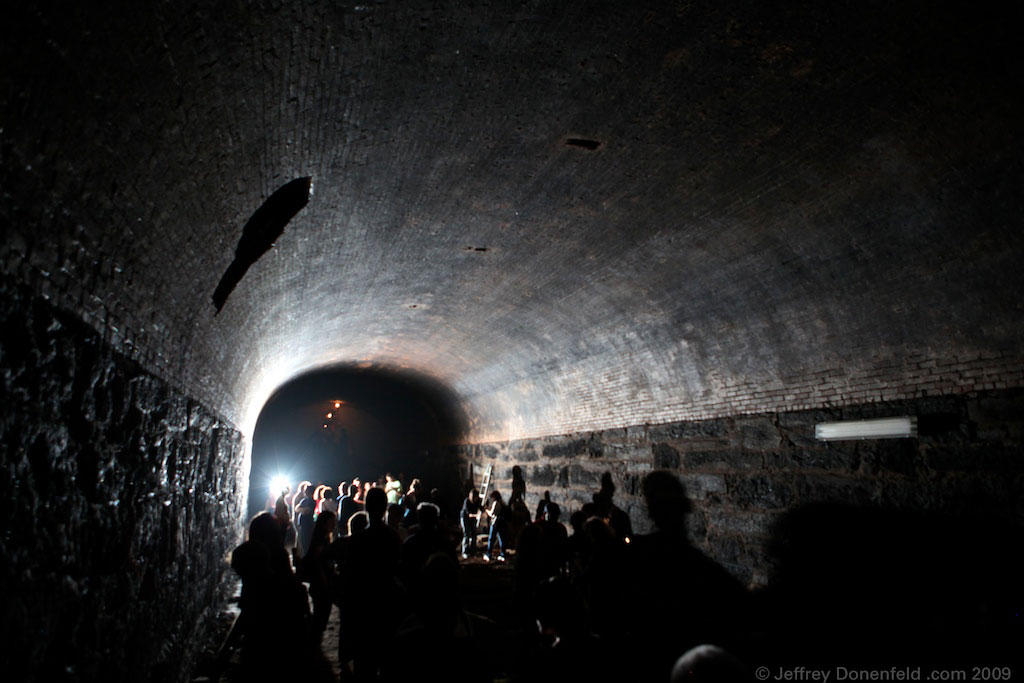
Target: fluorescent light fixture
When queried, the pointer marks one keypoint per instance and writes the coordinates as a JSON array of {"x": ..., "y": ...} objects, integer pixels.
[{"x": 885, "y": 428}]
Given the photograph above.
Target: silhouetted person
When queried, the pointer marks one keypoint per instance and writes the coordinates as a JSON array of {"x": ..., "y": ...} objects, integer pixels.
[
  {"x": 518, "y": 511},
  {"x": 541, "y": 506},
  {"x": 518, "y": 485},
  {"x": 498, "y": 534},
  {"x": 337, "y": 555},
  {"x": 360, "y": 521},
  {"x": 343, "y": 590},
  {"x": 330, "y": 502},
  {"x": 599, "y": 573},
  {"x": 303, "y": 490},
  {"x": 518, "y": 517},
  {"x": 709, "y": 664},
  {"x": 393, "y": 489},
  {"x": 417, "y": 489},
  {"x": 541, "y": 550},
  {"x": 315, "y": 569},
  {"x": 425, "y": 539},
  {"x": 285, "y": 526},
  {"x": 469, "y": 517},
  {"x": 578, "y": 546},
  {"x": 283, "y": 499},
  {"x": 266, "y": 529},
  {"x": 684, "y": 598},
  {"x": 303, "y": 526},
  {"x": 273, "y": 607},
  {"x": 529, "y": 572},
  {"x": 410, "y": 500},
  {"x": 555, "y": 540},
  {"x": 371, "y": 565},
  {"x": 605, "y": 508},
  {"x": 441, "y": 501},
  {"x": 360, "y": 492},
  {"x": 348, "y": 505},
  {"x": 438, "y": 633},
  {"x": 318, "y": 499},
  {"x": 564, "y": 649},
  {"x": 394, "y": 517}
]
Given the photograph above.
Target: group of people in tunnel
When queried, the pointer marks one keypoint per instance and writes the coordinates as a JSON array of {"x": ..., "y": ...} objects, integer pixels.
[
  {"x": 369, "y": 566},
  {"x": 297, "y": 513},
  {"x": 388, "y": 559}
]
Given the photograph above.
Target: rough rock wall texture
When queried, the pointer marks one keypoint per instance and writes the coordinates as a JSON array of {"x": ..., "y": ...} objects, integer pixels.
[
  {"x": 743, "y": 472},
  {"x": 121, "y": 498}
]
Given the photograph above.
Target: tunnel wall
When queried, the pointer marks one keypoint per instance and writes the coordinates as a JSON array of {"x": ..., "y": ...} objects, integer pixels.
[
  {"x": 122, "y": 497},
  {"x": 592, "y": 400},
  {"x": 743, "y": 472}
]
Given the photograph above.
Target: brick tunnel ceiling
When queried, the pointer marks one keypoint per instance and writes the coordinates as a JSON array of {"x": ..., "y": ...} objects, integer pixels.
[{"x": 574, "y": 215}]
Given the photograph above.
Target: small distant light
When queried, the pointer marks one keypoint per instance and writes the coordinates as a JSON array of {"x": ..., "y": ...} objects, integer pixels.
[
  {"x": 627, "y": 540},
  {"x": 337, "y": 404},
  {"x": 325, "y": 426},
  {"x": 330, "y": 415}
]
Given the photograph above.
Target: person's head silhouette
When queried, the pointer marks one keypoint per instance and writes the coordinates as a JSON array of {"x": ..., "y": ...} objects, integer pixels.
[
  {"x": 376, "y": 504},
  {"x": 428, "y": 514},
  {"x": 667, "y": 504}
]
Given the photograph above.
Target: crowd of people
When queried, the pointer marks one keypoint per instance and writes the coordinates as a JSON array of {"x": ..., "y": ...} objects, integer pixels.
[{"x": 389, "y": 558}]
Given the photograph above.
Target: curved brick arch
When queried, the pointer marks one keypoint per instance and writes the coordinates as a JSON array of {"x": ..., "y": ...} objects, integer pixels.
[
  {"x": 580, "y": 220},
  {"x": 770, "y": 204}
]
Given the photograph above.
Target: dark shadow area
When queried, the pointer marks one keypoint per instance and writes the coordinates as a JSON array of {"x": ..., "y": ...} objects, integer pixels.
[
  {"x": 873, "y": 588},
  {"x": 333, "y": 425},
  {"x": 583, "y": 143}
]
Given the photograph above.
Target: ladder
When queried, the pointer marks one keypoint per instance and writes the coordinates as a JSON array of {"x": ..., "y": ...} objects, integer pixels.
[
  {"x": 486, "y": 483},
  {"x": 481, "y": 529}
]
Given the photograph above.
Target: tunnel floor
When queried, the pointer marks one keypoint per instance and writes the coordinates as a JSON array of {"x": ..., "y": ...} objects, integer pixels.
[{"x": 486, "y": 588}]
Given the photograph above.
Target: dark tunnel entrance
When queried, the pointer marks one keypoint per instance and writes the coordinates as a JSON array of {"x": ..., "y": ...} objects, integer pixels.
[{"x": 331, "y": 425}]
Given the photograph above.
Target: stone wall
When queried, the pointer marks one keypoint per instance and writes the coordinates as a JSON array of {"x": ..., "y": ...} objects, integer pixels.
[
  {"x": 743, "y": 472},
  {"x": 121, "y": 499}
]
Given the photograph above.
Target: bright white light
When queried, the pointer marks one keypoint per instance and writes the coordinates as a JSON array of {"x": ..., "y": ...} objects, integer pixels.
[
  {"x": 885, "y": 428},
  {"x": 277, "y": 486},
  {"x": 337, "y": 404}
]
